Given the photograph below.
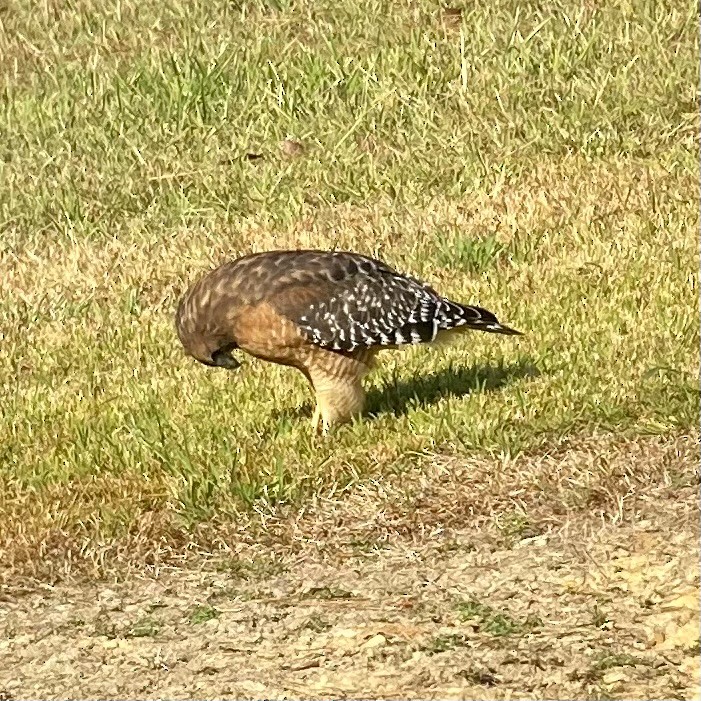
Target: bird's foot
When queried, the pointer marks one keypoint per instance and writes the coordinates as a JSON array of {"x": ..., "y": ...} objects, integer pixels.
[{"x": 320, "y": 426}]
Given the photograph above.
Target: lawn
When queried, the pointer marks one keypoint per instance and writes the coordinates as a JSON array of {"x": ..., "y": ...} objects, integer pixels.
[{"x": 539, "y": 159}]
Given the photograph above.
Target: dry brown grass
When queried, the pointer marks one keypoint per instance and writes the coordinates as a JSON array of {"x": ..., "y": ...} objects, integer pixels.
[
  {"x": 611, "y": 479},
  {"x": 468, "y": 579}
]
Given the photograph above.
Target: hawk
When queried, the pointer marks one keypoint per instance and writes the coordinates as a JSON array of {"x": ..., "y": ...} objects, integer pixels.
[{"x": 326, "y": 313}]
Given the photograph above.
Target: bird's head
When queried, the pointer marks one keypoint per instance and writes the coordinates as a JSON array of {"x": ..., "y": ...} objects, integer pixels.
[{"x": 205, "y": 342}]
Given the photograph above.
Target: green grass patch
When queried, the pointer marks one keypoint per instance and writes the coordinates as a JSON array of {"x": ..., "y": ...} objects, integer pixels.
[
  {"x": 538, "y": 159},
  {"x": 496, "y": 623},
  {"x": 202, "y": 614},
  {"x": 444, "y": 643},
  {"x": 606, "y": 660},
  {"x": 146, "y": 627}
]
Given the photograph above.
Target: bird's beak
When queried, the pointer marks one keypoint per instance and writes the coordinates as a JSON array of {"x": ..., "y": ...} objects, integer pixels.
[
  {"x": 224, "y": 359},
  {"x": 230, "y": 363}
]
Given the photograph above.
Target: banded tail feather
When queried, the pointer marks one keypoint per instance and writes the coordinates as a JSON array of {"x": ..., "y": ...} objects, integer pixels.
[{"x": 472, "y": 317}]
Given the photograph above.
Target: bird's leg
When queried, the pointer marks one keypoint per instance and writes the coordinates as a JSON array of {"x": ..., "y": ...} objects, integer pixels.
[
  {"x": 316, "y": 419},
  {"x": 337, "y": 403},
  {"x": 336, "y": 380},
  {"x": 320, "y": 424}
]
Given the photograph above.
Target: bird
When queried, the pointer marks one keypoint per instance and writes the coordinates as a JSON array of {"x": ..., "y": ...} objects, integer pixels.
[{"x": 325, "y": 313}]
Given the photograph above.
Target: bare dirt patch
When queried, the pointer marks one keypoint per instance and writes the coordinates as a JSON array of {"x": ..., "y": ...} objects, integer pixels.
[{"x": 422, "y": 586}]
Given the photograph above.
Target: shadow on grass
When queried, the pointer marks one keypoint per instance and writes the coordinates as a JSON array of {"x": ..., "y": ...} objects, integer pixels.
[{"x": 399, "y": 397}]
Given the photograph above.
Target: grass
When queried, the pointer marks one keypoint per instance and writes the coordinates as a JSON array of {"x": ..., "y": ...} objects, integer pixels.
[
  {"x": 251, "y": 568},
  {"x": 538, "y": 159},
  {"x": 146, "y": 627},
  {"x": 317, "y": 624},
  {"x": 202, "y": 614},
  {"x": 495, "y": 623},
  {"x": 445, "y": 643},
  {"x": 604, "y": 661}
]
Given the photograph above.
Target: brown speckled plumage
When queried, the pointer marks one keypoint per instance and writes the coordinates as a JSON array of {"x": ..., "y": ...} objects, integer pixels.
[{"x": 324, "y": 313}]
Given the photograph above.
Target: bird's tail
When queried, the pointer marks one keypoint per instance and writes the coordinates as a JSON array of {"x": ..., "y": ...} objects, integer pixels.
[{"x": 459, "y": 316}]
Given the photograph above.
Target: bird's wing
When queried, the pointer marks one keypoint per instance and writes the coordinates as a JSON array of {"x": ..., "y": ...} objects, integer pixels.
[{"x": 343, "y": 302}]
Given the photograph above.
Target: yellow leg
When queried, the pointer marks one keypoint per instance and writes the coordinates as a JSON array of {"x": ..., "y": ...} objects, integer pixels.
[
  {"x": 316, "y": 419},
  {"x": 336, "y": 380},
  {"x": 337, "y": 403},
  {"x": 319, "y": 421}
]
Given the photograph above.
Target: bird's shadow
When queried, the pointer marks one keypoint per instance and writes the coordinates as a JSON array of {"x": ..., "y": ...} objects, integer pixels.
[{"x": 399, "y": 396}]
